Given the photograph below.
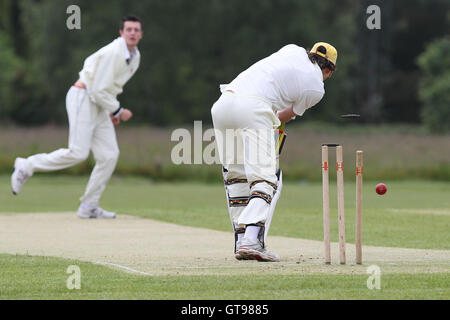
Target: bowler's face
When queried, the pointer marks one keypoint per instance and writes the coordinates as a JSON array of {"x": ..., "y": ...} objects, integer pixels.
[{"x": 132, "y": 33}]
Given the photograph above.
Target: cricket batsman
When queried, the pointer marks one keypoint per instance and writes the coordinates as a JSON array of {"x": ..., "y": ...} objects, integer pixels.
[
  {"x": 272, "y": 91},
  {"x": 92, "y": 109}
]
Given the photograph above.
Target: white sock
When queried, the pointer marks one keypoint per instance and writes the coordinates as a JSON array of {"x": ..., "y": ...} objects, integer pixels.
[{"x": 251, "y": 233}]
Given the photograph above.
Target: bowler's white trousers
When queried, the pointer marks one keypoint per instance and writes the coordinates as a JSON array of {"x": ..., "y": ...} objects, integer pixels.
[
  {"x": 244, "y": 133},
  {"x": 90, "y": 128}
]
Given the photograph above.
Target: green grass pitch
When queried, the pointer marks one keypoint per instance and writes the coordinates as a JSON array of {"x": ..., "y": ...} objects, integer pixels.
[{"x": 412, "y": 214}]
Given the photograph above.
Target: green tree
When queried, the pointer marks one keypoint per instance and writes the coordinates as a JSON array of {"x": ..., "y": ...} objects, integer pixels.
[
  {"x": 10, "y": 72},
  {"x": 190, "y": 47},
  {"x": 434, "y": 89},
  {"x": 388, "y": 76}
]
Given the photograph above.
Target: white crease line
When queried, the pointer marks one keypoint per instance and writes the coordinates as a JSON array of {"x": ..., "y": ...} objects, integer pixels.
[{"x": 123, "y": 267}]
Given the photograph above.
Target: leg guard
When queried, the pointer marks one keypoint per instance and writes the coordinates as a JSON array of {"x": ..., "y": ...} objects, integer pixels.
[
  {"x": 258, "y": 206},
  {"x": 259, "y": 211},
  {"x": 237, "y": 193},
  {"x": 273, "y": 204},
  {"x": 237, "y": 232}
]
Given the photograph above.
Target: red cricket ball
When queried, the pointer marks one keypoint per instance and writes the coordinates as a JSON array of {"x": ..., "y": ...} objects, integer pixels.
[{"x": 381, "y": 188}]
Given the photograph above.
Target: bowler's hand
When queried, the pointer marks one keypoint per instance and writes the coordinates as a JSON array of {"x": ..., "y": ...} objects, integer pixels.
[{"x": 125, "y": 115}]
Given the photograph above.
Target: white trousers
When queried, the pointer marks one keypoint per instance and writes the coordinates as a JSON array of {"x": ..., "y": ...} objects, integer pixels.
[
  {"x": 90, "y": 128},
  {"x": 244, "y": 133}
]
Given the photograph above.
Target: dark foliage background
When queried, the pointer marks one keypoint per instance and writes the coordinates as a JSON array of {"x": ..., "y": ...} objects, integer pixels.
[{"x": 190, "y": 47}]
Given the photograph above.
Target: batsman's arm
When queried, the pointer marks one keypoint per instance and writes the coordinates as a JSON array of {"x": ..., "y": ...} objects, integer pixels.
[{"x": 286, "y": 115}]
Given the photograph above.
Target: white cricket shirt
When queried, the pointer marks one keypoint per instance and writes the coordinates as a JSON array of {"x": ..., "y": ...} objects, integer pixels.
[
  {"x": 106, "y": 72},
  {"x": 285, "y": 78}
]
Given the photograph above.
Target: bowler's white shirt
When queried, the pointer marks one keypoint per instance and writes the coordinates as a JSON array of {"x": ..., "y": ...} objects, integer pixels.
[
  {"x": 106, "y": 72},
  {"x": 286, "y": 78}
]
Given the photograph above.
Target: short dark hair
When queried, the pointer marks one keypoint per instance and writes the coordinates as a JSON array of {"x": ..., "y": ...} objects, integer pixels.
[
  {"x": 321, "y": 61},
  {"x": 130, "y": 17}
]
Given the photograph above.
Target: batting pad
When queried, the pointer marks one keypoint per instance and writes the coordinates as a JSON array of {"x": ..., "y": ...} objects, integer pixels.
[
  {"x": 237, "y": 192},
  {"x": 273, "y": 204}
]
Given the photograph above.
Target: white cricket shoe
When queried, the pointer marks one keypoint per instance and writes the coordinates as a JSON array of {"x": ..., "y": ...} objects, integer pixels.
[
  {"x": 255, "y": 251},
  {"x": 236, "y": 253},
  {"x": 19, "y": 176},
  {"x": 86, "y": 212}
]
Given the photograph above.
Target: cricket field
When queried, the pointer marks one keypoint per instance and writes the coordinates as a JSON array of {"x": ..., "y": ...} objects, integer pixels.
[{"x": 174, "y": 241}]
